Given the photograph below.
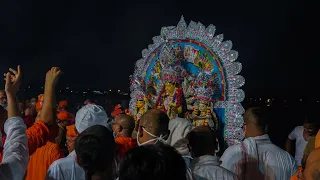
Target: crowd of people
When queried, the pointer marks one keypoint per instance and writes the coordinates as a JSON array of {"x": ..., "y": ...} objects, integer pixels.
[{"x": 48, "y": 142}]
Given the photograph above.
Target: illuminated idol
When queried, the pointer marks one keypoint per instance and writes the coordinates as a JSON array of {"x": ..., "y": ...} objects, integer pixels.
[{"x": 194, "y": 74}]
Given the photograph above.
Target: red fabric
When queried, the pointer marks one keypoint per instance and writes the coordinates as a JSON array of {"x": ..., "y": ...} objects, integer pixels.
[
  {"x": 63, "y": 104},
  {"x": 40, "y": 102},
  {"x": 41, "y": 97},
  {"x": 298, "y": 174},
  {"x": 117, "y": 110},
  {"x": 71, "y": 131},
  {"x": 3, "y": 140},
  {"x": 124, "y": 144},
  {"x": 66, "y": 116},
  {"x": 39, "y": 105},
  {"x": 28, "y": 120}
]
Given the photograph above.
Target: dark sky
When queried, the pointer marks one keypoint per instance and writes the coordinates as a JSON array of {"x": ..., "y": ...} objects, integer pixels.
[{"x": 97, "y": 42}]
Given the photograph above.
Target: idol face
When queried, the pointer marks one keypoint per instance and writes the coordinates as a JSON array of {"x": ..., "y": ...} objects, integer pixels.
[
  {"x": 169, "y": 87},
  {"x": 140, "y": 103}
]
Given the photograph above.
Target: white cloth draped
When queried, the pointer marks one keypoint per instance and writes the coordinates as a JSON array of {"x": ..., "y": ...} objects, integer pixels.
[
  {"x": 15, "y": 153},
  {"x": 66, "y": 169},
  {"x": 179, "y": 129},
  {"x": 257, "y": 158},
  {"x": 207, "y": 167}
]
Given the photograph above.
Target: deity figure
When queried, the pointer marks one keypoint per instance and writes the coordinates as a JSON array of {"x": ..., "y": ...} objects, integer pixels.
[
  {"x": 157, "y": 70},
  {"x": 171, "y": 94},
  {"x": 202, "y": 114},
  {"x": 141, "y": 107},
  {"x": 139, "y": 103},
  {"x": 200, "y": 102}
]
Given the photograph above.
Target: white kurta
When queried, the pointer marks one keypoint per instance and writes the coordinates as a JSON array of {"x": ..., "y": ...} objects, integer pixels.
[
  {"x": 258, "y": 158},
  {"x": 66, "y": 169},
  {"x": 207, "y": 167},
  {"x": 301, "y": 143},
  {"x": 15, "y": 153},
  {"x": 179, "y": 129}
]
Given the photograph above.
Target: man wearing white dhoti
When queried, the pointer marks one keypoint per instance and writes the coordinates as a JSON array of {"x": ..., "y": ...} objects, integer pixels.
[{"x": 256, "y": 157}]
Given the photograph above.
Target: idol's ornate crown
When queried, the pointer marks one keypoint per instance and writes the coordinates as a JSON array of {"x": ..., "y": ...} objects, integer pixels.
[
  {"x": 170, "y": 75},
  {"x": 204, "y": 94}
]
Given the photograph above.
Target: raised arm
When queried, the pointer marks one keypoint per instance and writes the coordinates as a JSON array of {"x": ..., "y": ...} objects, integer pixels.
[
  {"x": 38, "y": 133},
  {"x": 48, "y": 112},
  {"x": 16, "y": 156}
]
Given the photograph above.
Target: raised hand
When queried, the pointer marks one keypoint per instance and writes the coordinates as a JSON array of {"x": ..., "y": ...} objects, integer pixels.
[
  {"x": 13, "y": 81},
  {"x": 52, "y": 75}
]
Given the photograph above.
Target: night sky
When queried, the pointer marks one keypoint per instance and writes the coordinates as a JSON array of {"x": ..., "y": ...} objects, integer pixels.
[{"x": 96, "y": 43}]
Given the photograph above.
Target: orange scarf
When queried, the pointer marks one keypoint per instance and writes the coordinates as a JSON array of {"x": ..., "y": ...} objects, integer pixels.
[{"x": 124, "y": 144}]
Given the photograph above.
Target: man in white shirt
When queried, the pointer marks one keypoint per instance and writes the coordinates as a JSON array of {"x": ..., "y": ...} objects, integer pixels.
[
  {"x": 205, "y": 165},
  {"x": 300, "y": 135},
  {"x": 67, "y": 168},
  {"x": 256, "y": 157},
  {"x": 16, "y": 155}
]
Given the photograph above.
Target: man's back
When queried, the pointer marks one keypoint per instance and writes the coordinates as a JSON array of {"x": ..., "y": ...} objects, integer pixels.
[
  {"x": 66, "y": 169},
  {"x": 207, "y": 167},
  {"x": 41, "y": 160},
  {"x": 272, "y": 161},
  {"x": 277, "y": 162}
]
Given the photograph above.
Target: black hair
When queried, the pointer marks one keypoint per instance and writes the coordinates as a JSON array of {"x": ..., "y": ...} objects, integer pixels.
[
  {"x": 95, "y": 148},
  {"x": 261, "y": 116},
  {"x": 156, "y": 162},
  {"x": 203, "y": 141},
  {"x": 313, "y": 120}
]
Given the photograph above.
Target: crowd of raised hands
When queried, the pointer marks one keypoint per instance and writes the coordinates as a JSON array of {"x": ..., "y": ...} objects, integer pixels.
[{"x": 15, "y": 153}]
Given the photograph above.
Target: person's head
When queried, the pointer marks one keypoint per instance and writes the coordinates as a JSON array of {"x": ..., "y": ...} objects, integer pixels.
[
  {"x": 71, "y": 136},
  {"x": 3, "y": 97},
  {"x": 153, "y": 126},
  {"x": 41, "y": 97},
  {"x": 123, "y": 125},
  {"x": 32, "y": 111},
  {"x": 90, "y": 115},
  {"x": 311, "y": 125},
  {"x": 256, "y": 122},
  {"x": 202, "y": 141},
  {"x": 3, "y": 117},
  {"x": 95, "y": 148},
  {"x": 63, "y": 105},
  {"x": 21, "y": 106},
  {"x": 179, "y": 129},
  {"x": 65, "y": 118},
  {"x": 38, "y": 109},
  {"x": 156, "y": 162},
  {"x": 33, "y": 101}
]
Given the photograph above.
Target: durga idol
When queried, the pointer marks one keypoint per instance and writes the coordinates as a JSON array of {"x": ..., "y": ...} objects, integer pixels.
[{"x": 171, "y": 94}]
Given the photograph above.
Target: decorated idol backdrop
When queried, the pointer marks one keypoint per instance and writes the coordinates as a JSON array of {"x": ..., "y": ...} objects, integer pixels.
[{"x": 191, "y": 73}]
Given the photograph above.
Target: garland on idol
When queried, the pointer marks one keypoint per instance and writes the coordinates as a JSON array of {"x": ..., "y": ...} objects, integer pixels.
[{"x": 189, "y": 72}]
